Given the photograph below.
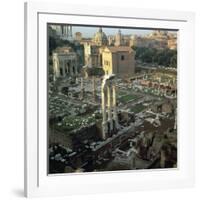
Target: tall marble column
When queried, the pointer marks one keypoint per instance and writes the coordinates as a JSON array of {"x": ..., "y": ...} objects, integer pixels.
[
  {"x": 104, "y": 120},
  {"x": 71, "y": 67},
  {"x": 63, "y": 68},
  {"x": 54, "y": 77},
  {"x": 76, "y": 67},
  {"x": 82, "y": 89},
  {"x": 109, "y": 107},
  {"x": 70, "y": 31},
  {"x": 94, "y": 88},
  {"x": 175, "y": 123},
  {"x": 115, "y": 107},
  {"x": 62, "y": 29},
  {"x": 67, "y": 31},
  {"x": 67, "y": 68},
  {"x": 56, "y": 67}
]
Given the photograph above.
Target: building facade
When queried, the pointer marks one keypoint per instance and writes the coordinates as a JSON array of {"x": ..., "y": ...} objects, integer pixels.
[
  {"x": 64, "y": 62},
  {"x": 100, "y": 38},
  {"x": 92, "y": 55},
  {"x": 78, "y": 36},
  {"x": 156, "y": 39},
  {"x": 93, "y": 49},
  {"x": 119, "y": 60},
  {"x": 119, "y": 39}
]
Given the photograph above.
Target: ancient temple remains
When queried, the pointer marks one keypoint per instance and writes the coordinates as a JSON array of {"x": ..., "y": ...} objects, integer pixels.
[{"x": 109, "y": 110}]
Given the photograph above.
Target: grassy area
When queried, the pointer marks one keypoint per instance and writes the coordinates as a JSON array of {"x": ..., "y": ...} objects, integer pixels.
[
  {"x": 128, "y": 97},
  {"x": 121, "y": 93},
  {"x": 138, "y": 108},
  {"x": 70, "y": 123},
  {"x": 74, "y": 122}
]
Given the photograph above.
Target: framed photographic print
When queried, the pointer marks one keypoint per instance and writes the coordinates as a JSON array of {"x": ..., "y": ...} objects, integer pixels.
[{"x": 109, "y": 98}]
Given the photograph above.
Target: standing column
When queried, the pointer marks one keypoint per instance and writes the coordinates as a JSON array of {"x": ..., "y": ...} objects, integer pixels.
[
  {"x": 76, "y": 66},
  {"x": 175, "y": 123},
  {"x": 70, "y": 67},
  {"x": 70, "y": 31},
  {"x": 67, "y": 68},
  {"x": 82, "y": 89},
  {"x": 90, "y": 61},
  {"x": 109, "y": 107},
  {"x": 94, "y": 88},
  {"x": 115, "y": 107},
  {"x": 63, "y": 68},
  {"x": 62, "y": 29},
  {"x": 56, "y": 68},
  {"x": 67, "y": 31},
  {"x": 104, "y": 120}
]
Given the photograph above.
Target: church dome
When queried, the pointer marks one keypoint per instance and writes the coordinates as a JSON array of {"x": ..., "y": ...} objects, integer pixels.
[{"x": 100, "y": 38}]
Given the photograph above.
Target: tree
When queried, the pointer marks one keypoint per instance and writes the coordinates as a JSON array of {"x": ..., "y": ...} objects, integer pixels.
[{"x": 165, "y": 57}]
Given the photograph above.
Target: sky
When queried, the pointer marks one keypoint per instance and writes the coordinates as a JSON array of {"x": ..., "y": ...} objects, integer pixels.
[{"x": 88, "y": 31}]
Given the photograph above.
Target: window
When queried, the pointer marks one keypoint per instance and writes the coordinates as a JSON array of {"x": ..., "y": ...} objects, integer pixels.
[{"x": 122, "y": 57}]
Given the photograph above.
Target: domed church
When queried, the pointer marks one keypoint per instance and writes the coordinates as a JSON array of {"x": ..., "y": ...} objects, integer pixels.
[{"x": 100, "y": 38}]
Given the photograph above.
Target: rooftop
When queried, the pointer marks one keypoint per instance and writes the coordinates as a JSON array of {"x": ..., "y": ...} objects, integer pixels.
[{"x": 120, "y": 48}]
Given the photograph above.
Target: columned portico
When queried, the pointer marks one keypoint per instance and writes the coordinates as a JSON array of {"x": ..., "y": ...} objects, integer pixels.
[
  {"x": 65, "y": 64},
  {"x": 109, "y": 110}
]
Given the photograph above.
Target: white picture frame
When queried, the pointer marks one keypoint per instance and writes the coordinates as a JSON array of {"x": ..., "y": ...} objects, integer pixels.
[{"x": 37, "y": 182}]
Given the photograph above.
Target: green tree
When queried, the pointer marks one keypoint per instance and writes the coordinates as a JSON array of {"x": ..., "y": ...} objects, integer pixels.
[{"x": 165, "y": 57}]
